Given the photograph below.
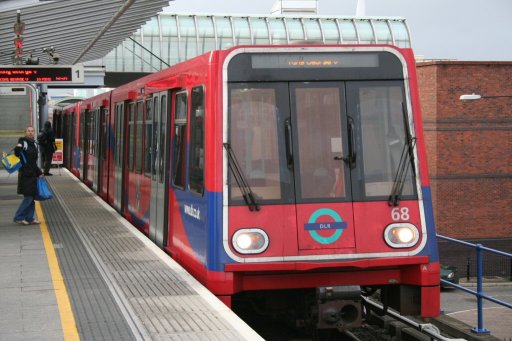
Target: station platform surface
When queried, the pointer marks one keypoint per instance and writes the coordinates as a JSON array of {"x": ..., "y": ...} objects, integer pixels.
[
  {"x": 497, "y": 321},
  {"x": 86, "y": 273}
]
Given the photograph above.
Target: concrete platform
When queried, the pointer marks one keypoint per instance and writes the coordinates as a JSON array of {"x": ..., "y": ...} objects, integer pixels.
[
  {"x": 86, "y": 273},
  {"x": 497, "y": 320}
]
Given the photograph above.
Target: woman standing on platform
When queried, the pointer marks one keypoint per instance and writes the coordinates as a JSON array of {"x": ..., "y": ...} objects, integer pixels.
[{"x": 27, "y": 177}]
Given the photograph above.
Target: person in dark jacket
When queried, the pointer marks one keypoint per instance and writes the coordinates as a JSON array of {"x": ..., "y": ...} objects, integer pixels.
[
  {"x": 27, "y": 177},
  {"x": 46, "y": 140}
]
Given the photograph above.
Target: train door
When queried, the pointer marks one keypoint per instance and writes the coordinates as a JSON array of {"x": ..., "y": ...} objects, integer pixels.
[
  {"x": 320, "y": 133},
  {"x": 102, "y": 155},
  {"x": 87, "y": 145},
  {"x": 119, "y": 156},
  {"x": 95, "y": 149},
  {"x": 159, "y": 166},
  {"x": 83, "y": 145},
  {"x": 66, "y": 127},
  {"x": 347, "y": 145},
  {"x": 187, "y": 172},
  {"x": 74, "y": 152},
  {"x": 293, "y": 143}
]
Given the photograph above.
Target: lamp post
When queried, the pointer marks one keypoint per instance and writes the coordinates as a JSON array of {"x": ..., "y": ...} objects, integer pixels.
[{"x": 474, "y": 96}]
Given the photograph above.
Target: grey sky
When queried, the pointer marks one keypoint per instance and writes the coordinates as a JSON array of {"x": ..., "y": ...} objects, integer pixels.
[{"x": 469, "y": 30}]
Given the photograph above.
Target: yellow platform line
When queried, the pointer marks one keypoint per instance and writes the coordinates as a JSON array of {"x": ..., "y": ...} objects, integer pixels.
[
  {"x": 10, "y": 136},
  {"x": 67, "y": 318}
]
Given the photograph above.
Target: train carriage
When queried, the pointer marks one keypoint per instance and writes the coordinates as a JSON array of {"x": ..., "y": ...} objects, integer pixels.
[
  {"x": 94, "y": 118},
  {"x": 69, "y": 130},
  {"x": 264, "y": 169}
]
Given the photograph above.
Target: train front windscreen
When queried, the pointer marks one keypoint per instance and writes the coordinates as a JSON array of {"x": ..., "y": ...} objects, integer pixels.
[{"x": 320, "y": 127}]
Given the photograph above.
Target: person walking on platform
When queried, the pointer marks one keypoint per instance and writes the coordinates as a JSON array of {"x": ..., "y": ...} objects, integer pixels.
[
  {"x": 46, "y": 140},
  {"x": 27, "y": 177}
]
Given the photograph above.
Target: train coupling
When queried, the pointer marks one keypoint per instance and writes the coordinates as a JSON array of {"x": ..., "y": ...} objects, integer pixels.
[{"x": 339, "y": 307}]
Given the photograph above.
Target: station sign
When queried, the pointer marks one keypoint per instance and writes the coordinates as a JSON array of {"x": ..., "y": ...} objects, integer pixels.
[
  {"x": 46, "y": 74},
  {"x": 57, "y": 156}
]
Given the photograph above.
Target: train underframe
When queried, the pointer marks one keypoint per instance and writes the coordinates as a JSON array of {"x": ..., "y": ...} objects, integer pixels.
[
  {"x": 291, "y": 299},
  {"x": 313, "y": 311}
]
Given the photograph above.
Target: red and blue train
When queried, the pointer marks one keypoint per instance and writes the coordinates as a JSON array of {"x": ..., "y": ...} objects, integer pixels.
[{"x": 293, "y": 174}]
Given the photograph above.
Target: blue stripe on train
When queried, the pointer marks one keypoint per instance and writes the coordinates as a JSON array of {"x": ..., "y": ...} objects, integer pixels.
[
  {"x": 202, "y": 220},
  {"x": 431, "y": 247}
]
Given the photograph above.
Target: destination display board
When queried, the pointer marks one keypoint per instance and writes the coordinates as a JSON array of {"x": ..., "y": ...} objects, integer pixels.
[{"x": 42, "y": 73}]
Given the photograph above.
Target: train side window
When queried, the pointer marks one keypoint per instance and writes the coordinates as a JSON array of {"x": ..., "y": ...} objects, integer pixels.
[
  {"x": 131, "y": 136},
  {"x": 119, "y": 134},
  {"x": 117, "y": 128},
  {"x": 94, "y": 136},
  {"x": 72, "y": 139},
  {"x": 154, "y": 145},
  {"x": 196, "y": 157},
  {"x": 148, "y": 137},
  {"x": 180, "y": 145},
  {"x": 90, "y": 132},
  {"x": 139, "y": 128},
  {"x": 82, "y": 132},
  {"x": 163, "y": 139},
  {"x": 89, "y": 117},
  {"x": 104, "y": 132}
]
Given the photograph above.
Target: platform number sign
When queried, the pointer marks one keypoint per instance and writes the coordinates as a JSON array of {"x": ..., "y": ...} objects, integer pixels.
[{"x": 42, "y": 74}]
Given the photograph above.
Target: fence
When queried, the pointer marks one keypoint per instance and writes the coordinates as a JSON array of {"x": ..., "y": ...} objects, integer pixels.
[{"x": 480, "y": 329}]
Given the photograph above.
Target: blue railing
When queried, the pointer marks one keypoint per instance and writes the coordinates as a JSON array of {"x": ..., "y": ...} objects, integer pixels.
[{"x": 480, "y": 329}]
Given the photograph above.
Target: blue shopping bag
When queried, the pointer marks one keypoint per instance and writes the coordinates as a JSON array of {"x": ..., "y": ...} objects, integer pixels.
[{"x": 43, "y": 190}]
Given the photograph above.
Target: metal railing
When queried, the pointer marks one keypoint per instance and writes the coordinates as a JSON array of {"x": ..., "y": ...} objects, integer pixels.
[{"x": 479, "y": 329}]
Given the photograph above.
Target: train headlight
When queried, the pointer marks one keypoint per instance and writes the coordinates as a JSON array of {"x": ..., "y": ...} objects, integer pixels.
[
  {"x": 400, "y": 235},
  {"x": 250, "y": 241}
]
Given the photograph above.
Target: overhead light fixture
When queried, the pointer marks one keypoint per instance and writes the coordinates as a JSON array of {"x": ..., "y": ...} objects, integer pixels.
[
  {"x": 32, "y": 60},
  {"x": 52, "y": 55},
  {"x": 474, "y": 96},
  {"x": 471, "y": 97}
]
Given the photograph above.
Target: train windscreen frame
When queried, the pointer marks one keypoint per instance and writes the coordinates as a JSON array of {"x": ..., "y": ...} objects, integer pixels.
[{"x": 375, "y": 97}]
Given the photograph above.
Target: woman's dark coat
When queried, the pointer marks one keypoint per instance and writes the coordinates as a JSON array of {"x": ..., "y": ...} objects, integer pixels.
[{"x": 29, "y": 172}]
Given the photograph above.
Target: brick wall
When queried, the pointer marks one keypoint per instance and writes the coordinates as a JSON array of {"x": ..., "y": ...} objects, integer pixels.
[{"x": 469, "y": 147}]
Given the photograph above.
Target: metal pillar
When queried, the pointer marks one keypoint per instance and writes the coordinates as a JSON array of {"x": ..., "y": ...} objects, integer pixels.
[
  {"x": 42, "y": 102},
  {"x": 480, "y": 328}
]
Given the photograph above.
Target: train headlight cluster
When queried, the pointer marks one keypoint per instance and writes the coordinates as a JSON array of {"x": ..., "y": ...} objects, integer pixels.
[
  {"x": 400, "y": 235},
  {"x": 250, "y": 241}
]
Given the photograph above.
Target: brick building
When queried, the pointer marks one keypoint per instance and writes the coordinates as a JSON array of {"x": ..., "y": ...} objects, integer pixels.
[{"x": 469, "y": 146}]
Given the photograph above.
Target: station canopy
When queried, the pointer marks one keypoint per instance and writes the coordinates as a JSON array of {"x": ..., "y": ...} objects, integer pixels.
[
  {"x": 130, "y": 38},
  {"x": 168, "y": 39},
  {"x": 77, "y": 30}
]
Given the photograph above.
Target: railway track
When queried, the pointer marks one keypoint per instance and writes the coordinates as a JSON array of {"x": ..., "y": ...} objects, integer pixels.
[
  {"x": 379, "y": 325},
  {"x": 393, "y": 326}
]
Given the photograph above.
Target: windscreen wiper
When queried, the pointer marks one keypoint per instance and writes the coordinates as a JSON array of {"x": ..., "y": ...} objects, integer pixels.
[
  {"x": 406, "y": 160},
  {"x": 240, "y": 179}
]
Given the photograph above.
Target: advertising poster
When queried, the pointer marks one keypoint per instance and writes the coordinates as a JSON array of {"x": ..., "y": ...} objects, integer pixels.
[{"x": 57, "y": 156}]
